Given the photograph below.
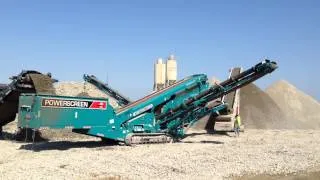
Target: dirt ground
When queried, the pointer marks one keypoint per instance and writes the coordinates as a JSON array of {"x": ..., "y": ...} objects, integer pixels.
[{"x": 199, "y": 156}]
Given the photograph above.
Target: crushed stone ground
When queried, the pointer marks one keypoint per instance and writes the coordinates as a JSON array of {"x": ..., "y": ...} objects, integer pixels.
[{"x": 199, "y": 156}]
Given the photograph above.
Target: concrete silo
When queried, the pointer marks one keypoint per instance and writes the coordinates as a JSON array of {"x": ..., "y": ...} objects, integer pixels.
[
  {"x": 159, "y": 75},
  {"x": 171, "y": 70}
]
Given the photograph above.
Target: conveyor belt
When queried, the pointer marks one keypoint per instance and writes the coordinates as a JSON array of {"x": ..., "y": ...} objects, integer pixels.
[
  {"x": 230, "y": 98},
  {"x": 151, "y": 95},
  {"x": 122, "y": 100},
  {"x": 219, "y": 90}
]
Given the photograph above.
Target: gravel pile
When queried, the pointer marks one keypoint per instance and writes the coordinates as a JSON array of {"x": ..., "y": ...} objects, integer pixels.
[
  {"x": 300, "y": 108},
  {"x": 281, "y": 106},
  {"x": 201, "y": 156},
  {"x": 259, "y": 110}
]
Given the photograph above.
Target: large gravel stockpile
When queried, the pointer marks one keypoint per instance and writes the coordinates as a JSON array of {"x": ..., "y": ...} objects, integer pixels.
[
  {"x": 82, "y": 89},
  {"x": 298, "y": 106},
  {"x": 259, "y": 111},
  {"x": 203, "y": 156}
]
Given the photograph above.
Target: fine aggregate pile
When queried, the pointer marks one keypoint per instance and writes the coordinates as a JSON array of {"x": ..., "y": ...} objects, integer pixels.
[
  {"x": 258, "y": 110},
  {"x": 298, "y": 106},
  {"x": 281, "y": 106}
]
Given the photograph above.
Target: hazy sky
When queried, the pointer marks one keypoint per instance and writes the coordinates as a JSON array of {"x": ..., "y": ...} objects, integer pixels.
[{"x": 122, "y": 39}]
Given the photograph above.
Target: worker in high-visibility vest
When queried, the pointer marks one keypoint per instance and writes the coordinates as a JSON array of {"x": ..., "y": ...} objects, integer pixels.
[{"x": 237, "y": 124}]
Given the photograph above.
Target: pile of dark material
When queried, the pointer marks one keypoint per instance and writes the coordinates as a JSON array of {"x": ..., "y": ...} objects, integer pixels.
[{"x": 43, "y": 84}]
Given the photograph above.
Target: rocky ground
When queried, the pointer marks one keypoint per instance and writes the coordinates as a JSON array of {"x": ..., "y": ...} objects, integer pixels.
[
  {"x": 263, "y": 153},
  {"x": 199, "y": 156}
]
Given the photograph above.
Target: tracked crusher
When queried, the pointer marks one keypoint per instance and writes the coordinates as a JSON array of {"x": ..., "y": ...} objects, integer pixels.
[{"x": 159, "y": 117}]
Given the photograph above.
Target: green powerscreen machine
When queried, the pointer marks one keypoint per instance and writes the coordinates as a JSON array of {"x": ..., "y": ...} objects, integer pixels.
[{"x": 159, "y": 117}]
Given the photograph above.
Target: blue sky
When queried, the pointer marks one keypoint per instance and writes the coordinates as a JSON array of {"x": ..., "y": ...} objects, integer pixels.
[{"x": 122, "y": 39}]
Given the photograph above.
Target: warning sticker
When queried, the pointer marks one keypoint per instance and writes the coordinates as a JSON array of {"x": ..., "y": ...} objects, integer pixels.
[{"x": 70, "y": 103}]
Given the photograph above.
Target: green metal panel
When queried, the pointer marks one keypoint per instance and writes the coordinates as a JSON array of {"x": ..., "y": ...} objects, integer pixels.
[{"x": 63, "y": 112}]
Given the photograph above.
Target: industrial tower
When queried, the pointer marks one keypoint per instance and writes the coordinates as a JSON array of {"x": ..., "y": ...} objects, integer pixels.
[{"x": 165, "y": 74}]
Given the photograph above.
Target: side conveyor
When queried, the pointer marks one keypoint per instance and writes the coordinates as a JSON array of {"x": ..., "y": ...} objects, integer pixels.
[{"x": 121, "y": 99}]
